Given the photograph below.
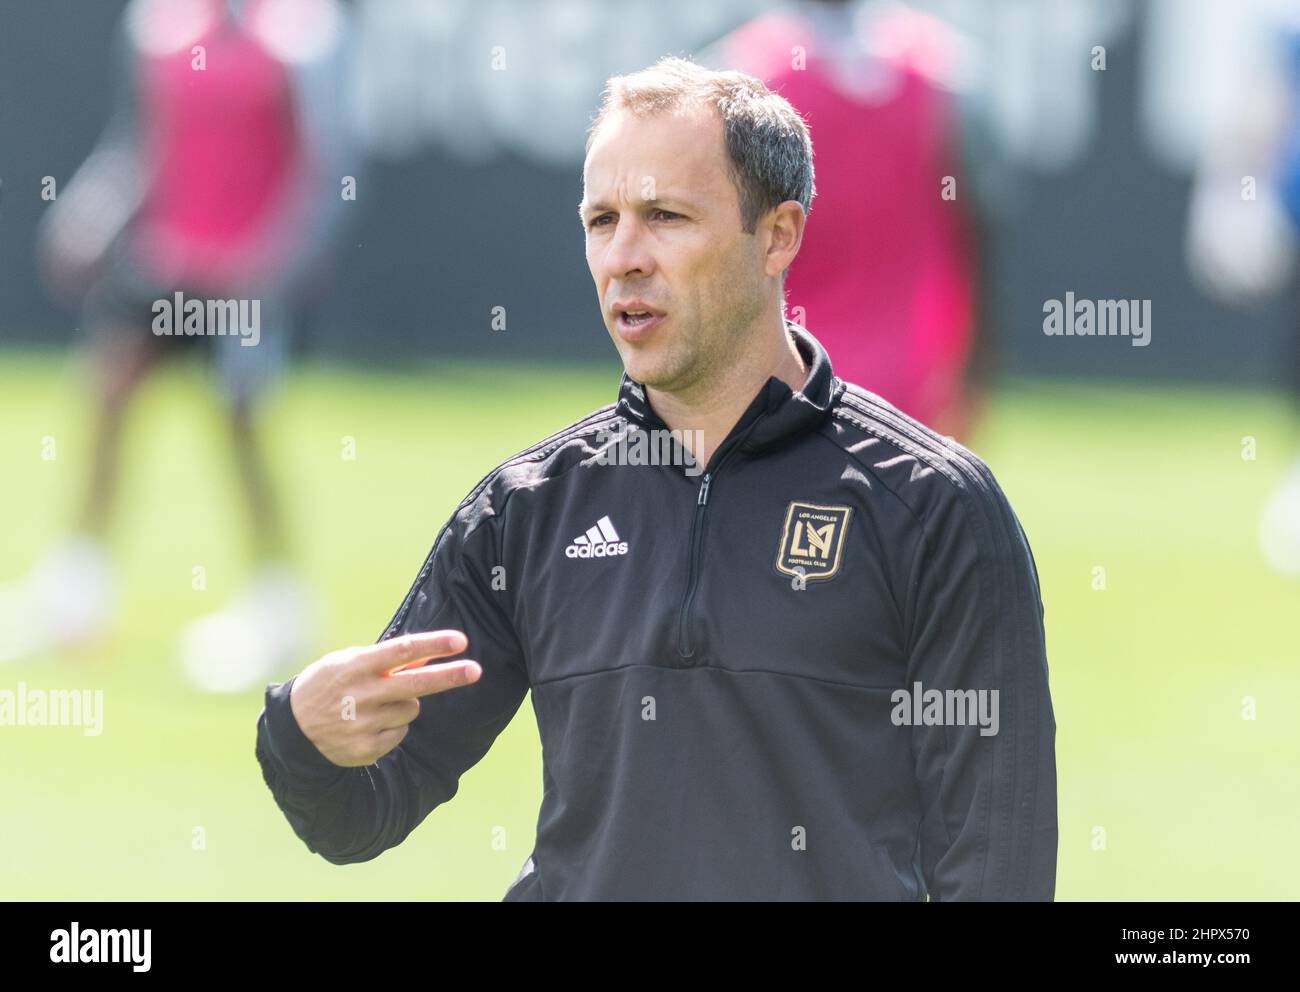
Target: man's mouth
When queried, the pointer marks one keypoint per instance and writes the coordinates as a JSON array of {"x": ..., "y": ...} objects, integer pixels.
[
  {"x": 635, "y": 327},
  {"x": 634, "y": 319}
]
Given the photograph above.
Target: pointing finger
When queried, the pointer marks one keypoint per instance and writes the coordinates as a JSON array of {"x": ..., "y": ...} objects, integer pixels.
[
  {"x": 411, "y": 683},
  {"x": 398, "y": 652}
]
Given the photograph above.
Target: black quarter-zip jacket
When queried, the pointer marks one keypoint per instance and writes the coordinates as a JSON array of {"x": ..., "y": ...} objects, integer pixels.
[{"x": 719, "y": 681}]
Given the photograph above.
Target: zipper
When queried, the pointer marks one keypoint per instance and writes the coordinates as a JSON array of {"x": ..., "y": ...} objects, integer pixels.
[
  {"x": 684, "y": 648},
  {"x": 697, "y": 532}
]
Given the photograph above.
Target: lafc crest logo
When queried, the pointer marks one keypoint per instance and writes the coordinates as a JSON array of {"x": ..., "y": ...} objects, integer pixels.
[{"x": 812, "y": 541}]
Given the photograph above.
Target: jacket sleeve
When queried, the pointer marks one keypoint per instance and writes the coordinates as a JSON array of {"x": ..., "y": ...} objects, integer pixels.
[
  {"x": 988, "y": 800},
  {"x": 349, "y": 815}
]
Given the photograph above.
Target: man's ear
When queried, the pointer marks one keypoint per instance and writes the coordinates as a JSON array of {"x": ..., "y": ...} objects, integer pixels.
[{"x": 784, "y": 225}]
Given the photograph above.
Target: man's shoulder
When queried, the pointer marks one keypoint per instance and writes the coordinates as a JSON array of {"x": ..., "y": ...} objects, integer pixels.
[
  {"x": 539, "y": 463},
  {"x": 926, "y": 470}
]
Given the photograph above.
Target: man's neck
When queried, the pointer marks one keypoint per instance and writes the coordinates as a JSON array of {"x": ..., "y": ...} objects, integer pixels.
[{"x": 715, "y": 412}]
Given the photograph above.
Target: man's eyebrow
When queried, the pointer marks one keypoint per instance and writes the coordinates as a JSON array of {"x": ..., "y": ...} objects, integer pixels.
[{"x": 600, "y": 206}]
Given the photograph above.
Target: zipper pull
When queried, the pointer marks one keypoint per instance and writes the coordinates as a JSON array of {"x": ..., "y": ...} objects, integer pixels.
[{"x": 704, "y": 491}]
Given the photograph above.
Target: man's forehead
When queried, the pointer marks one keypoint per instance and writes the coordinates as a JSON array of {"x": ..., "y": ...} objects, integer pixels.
[{"x": 674, "y": 154}]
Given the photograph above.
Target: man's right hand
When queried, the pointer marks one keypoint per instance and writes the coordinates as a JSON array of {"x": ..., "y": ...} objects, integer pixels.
[{"x": 357, "y": 704}]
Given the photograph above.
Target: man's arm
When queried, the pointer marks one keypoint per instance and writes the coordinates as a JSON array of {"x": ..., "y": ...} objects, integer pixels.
[
  {"x": 989, "y": 828},
  {"x": 355, "y": 807},
  {"x": 96, "y": 206}
]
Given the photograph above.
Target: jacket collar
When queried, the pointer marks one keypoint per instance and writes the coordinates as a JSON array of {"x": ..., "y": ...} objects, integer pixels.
[{"x": 776, "y": 413}]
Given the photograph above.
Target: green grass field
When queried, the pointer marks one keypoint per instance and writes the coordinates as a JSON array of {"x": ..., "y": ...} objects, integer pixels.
[{"x": 1148, "y": 676}]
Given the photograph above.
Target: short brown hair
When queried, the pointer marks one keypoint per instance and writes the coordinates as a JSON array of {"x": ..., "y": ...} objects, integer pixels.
[{"x": 768, "y": 147}]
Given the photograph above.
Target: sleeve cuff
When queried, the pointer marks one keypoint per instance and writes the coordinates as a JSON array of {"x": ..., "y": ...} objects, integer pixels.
[{"x": 280, "y": 737}]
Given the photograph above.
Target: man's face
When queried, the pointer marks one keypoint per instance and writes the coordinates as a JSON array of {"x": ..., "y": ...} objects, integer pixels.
[{"x": 663, "y": 232}]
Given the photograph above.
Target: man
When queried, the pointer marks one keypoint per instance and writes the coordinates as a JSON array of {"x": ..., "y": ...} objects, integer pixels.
[
  {"x": 215, "y": 181},
  {"x": 720, "y": 649},
  {"x": 880, "y": 87}
]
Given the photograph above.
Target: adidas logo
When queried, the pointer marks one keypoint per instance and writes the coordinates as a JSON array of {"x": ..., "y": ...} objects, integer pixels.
[{"x": 600, "y": 541}]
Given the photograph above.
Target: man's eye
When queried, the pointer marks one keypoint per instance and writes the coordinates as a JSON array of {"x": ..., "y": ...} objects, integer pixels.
[{"x": 657, "y": 213}]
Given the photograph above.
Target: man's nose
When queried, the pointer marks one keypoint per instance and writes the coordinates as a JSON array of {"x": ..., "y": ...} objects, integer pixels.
[{"x": 628, "y": 250}]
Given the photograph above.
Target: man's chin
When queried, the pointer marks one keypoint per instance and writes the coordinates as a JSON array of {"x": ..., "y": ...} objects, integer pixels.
[
  {"x": 655, "y": 366},
  {"x": 648, "y": 373},
  {"x": 640, "y": 365}
]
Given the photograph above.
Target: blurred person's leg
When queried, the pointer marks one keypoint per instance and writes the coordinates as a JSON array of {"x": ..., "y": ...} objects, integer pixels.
[
  {"x": 121, "y": 359},
  {"x": 269, "y": 625},
  {"x": 247, "y": 369},
  {"x": 266, "y": 518},
  {"x": 69, "y": 596},
  {"x": 1279, "y": 524}
]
